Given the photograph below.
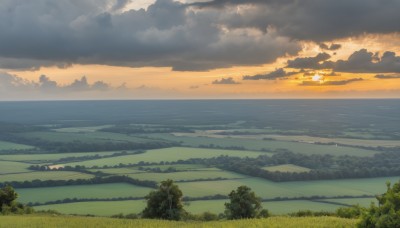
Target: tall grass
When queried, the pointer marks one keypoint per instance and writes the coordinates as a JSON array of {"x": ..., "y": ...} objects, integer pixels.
[{"x": 36, "y": 221}]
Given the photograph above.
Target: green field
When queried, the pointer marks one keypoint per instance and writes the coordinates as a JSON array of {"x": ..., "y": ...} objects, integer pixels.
[
  {"x": 287, "y": 168},
  {"x": 188, "y": 175},
  {"x": 167, "y": 155},
  {"x": 13, "y": 146},
  {"x": 365, "y": 202},
  {"x": 81, "y": 129},
  {"x": 88, "y": 137},
  {"x": 180, "y": 167},
  {"x": 118, "y": 171},
  {"x": 48, "y": 158},
  {"x": 298, "y": 137},
  {"x": 268, "y": 189},
  {"x": 100, "y": 208},
  {"x": 257, "y": 144},
  {"x": 101, "y": 191},
  {"x": 46, "y": 175},
  {"x": 12, "y": 167},
  {"x": 73, "y": 221}
]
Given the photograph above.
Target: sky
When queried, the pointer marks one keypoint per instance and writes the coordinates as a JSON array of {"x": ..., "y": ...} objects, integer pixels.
[{"x": 205, "y": 49}]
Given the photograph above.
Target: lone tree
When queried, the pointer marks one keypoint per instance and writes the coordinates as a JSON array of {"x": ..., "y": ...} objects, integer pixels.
[
  {"x": 244, "y": 204},
  {"x": 7, "y": 196},
  {"x": 387, "y": 213},
  {"x": 165, "y": 203}
]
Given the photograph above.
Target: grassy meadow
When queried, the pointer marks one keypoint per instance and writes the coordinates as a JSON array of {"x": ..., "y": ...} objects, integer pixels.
[{"x": 74, "y": 221}]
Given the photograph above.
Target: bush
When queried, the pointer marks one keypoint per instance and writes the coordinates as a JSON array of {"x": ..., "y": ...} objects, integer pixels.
[
  {"x": 387, "y": 213},
  {"x": 354, "y": 211}
]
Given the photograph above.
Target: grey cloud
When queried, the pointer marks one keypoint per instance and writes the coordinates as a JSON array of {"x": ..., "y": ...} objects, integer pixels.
[
  {"x": 225, "y": 81},
  {"x": 361, "y": 61},
  {"x": 277, "y": 74},
  {"x": 310, "y": 62},
  {"x": 384, "y": 76},
  {"x": 330, "y": 83},
  {"x": 13, "y": 84},
  {"x": 332, "y": 47},
  {"x": 322, "y": 20},
  {"x": 120, "y": 5},
  {"x": 46, "y": 33}
]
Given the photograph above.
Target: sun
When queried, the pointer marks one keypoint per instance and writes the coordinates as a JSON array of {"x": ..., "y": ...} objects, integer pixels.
[{"x": 317, "y": 78}]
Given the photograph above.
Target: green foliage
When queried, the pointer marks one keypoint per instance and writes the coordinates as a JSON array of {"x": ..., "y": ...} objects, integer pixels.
[
  {"x": 243, "y": 204},
  {"x": 264, "y": 213},
  {"x": 387, "y": 213},
  {"x": 165, "y": 203},
  {"x": 8, "y": 204},
  {"x": 354, "y": 211},
  {"x": 7, "y": 196},
  {"x": 308, "y": 213}
]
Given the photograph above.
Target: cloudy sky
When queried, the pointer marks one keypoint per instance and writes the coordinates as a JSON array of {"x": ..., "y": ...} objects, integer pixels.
[{"x": 165, "y": 49}]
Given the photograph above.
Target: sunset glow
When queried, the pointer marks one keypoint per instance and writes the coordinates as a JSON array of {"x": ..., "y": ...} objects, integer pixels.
[{"x": 186, "y": 56}]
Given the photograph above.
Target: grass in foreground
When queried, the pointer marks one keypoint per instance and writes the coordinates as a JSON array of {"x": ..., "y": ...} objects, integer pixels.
[{"x": 34, "y": 221}]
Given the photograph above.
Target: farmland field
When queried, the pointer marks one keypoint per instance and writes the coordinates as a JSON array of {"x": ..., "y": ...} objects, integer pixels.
[
  {"x": 49, "y": 175},
  {"x": 89, "y": 137},
  {"x": 12, "y": 167},
  {"x": 266, "y": 133},
  {"x": 13, "y": 146},
  {"x": 275, "y": 207},
  {"x": 287, "y": 168},
  {"x": 257, "y": 144},
  {"x": 99, "y": 208},
  {"x": 100, "y": 191},
  {"x": 46, "y": 158},
  {"x": 187, "y": 175},
  {"x": 269, "y": 189},
  {"x": 215, "y": 206},
  {"x": 167, "y": 155},
  {"x": 285, "y": 152},
  {"x": 365, "y": 202}
]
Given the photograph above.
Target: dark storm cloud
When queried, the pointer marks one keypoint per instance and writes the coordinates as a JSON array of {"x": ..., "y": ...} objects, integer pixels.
[
  {"x": 225, "y": 81},
  {"x": 63, "y": 32},
  {"x": 384, "y": 76},
  {"x": 277, "y": 74},
  {"x": 361, "y": 61},
  {"x": 310, "y": 62},
  {"x": 186, "y": 37},
  {"x": 330, "y": 83},
  {"x": 321, "y": 20}
]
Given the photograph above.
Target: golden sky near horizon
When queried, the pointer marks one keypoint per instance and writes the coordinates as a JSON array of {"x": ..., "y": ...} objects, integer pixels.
[{"x": 158, "y": 75}]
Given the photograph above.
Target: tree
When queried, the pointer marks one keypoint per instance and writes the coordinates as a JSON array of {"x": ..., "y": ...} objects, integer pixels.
[
  {"x": 7, "y": 196},
  {"x": 387, "y": 213},
  {"x": 165, "y": 203},
  {"x": 243, "y": 204}
]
